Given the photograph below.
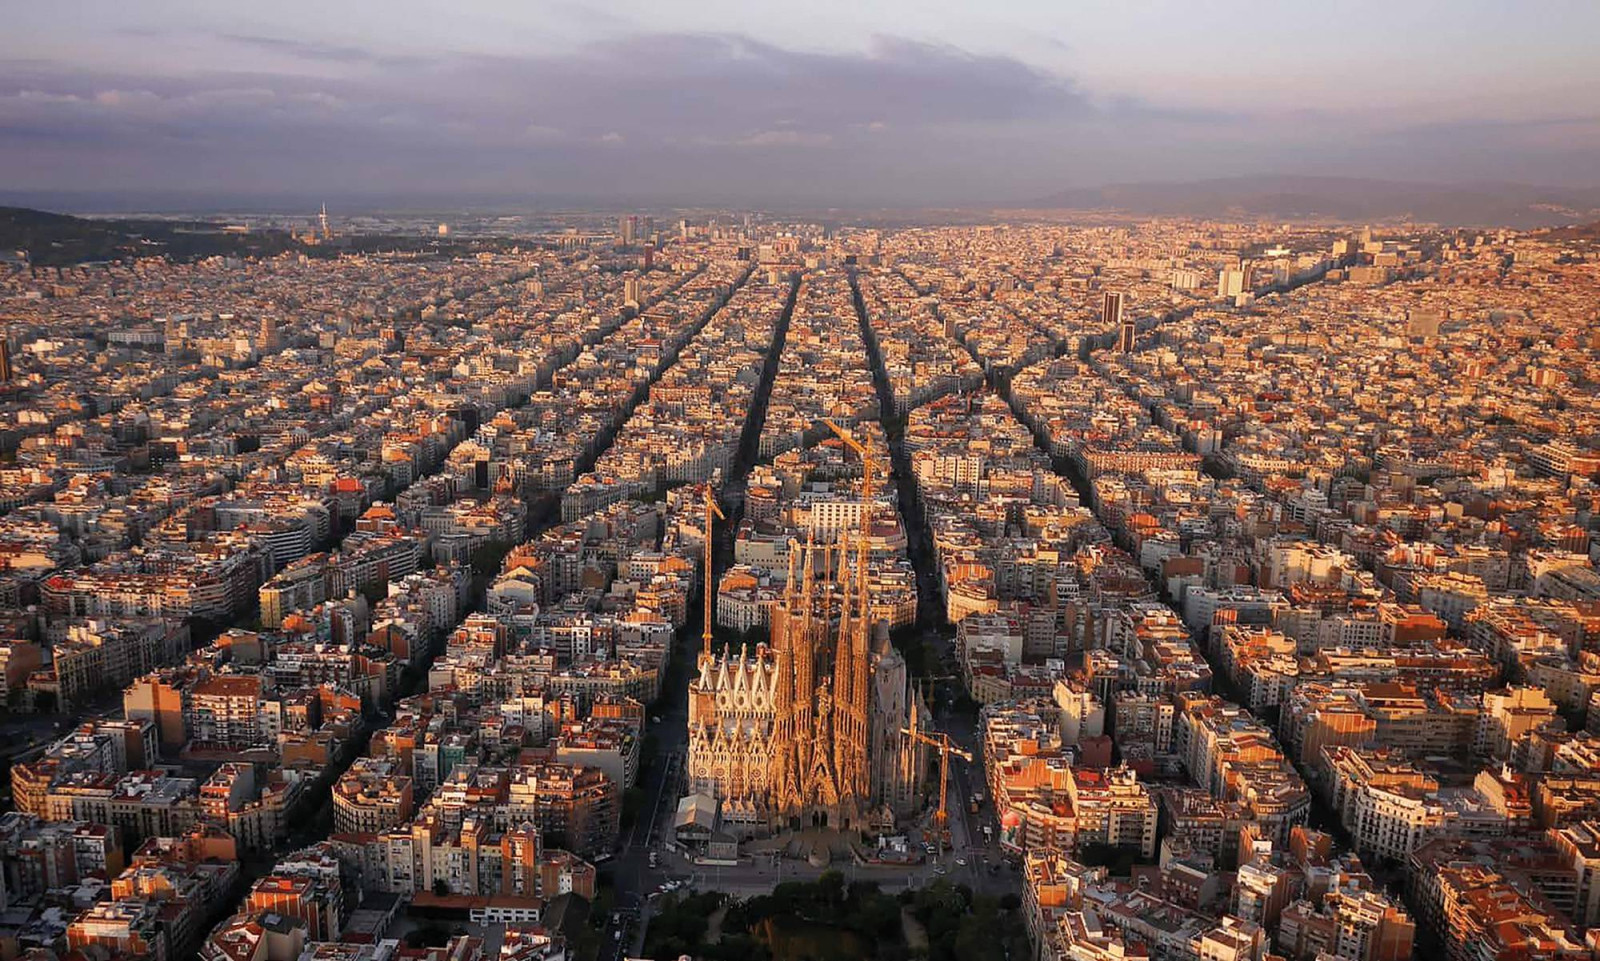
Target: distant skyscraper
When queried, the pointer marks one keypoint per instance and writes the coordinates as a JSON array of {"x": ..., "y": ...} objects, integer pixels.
[
  {"x": 322, "y": 223},
  {"x": 5, "y": 358},
  {"x": 633, "y": 291},
  {"x": 1111, "y": 311},
  {"x": 267, "y": 339},
  {"x": 627, "y": 230},
  {"x": 1112, "y": 316}
]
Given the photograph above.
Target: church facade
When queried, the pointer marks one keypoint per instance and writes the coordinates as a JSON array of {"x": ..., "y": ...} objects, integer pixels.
[{"x": 809, "y": 730}]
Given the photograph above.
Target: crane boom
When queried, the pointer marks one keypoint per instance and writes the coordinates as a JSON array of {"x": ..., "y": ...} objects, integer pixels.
[
  {"x": 867, "y": 504},
  {"x": 940, "y": 741},
  {"x": 709, "y": 588},
  {"x": 862, "y": 451}
]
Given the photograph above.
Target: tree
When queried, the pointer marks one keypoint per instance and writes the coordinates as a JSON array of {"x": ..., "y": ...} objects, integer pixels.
[
  {"x": 487, "y": 559},
  {"x": 830, "y": 890}
]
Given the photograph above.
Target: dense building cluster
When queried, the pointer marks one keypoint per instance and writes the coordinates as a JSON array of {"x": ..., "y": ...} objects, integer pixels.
[
  {"x": 815, "y": 725},
  {"x": 1340, "y": 559},
  {"x": 337, "y": 590},
  {"x": 321, "y": 466}
]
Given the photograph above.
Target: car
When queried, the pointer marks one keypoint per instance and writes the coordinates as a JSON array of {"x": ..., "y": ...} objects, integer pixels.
[
  {"x": 941, "y": 870},
  {"x": 655, "y": 719},
  {"x": 961, "y": 862}
]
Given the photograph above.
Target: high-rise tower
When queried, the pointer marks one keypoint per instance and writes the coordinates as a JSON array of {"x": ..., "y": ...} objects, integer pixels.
[
  {"x": 1112, "y": 317},
  {"x": 267, "y": 338},
  {"x": 1111, "y": 309}
]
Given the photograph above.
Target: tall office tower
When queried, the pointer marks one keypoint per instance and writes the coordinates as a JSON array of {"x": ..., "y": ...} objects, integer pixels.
[
  {"x": 1112, "y": 316},
  {"x": 1111, "y": 311},
  {"x": 268, "y": 339},
  {"x": 5, "y": 357},
  {"x": 627, "y": 230},
  {"x": 632, "y": 291},
  {"x": 1232, "y": 283}
]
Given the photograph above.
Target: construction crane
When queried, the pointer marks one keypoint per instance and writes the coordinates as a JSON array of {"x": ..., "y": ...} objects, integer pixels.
[
  {"x": 710, "y": 585},
  {"x": 865, "y": 453},
  {"x": 940, "y": 741}
]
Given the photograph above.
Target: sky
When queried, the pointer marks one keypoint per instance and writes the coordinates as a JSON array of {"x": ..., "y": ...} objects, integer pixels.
[{"x": 849, "y": 102}]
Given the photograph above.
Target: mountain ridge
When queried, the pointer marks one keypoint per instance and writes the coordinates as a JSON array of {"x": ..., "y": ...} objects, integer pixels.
[{"x": 1347, "y": 199}]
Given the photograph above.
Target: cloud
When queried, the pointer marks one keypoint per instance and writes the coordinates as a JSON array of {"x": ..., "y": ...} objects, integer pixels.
[
  {"x": 541, "y": 133},
  {"x": 688, "y": 96},
  {"x": 702, "y": 117},
  {"x": 315, "y": 51},
  {"x": 785, "y": 138}
]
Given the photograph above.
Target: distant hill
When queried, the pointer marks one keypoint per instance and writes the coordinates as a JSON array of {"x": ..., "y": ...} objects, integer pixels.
[
  {"x": 55, "y": 239},
  {"x": 1579, "y": 233},
  {"x": 1340, "y": 198}
]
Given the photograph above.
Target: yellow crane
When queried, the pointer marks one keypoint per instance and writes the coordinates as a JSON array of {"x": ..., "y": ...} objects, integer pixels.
[
  {"x": 940, "y": 741},
  {"x": 710, "y": 588},
  {"x": 864, "y": 453},
  {"x": 867, "y": 504}
]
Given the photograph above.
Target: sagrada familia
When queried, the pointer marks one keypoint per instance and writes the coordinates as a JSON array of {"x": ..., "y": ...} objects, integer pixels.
[{"x": 811, "y": 729}]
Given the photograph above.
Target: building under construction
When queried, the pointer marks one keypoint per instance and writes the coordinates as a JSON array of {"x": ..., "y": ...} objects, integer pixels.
[{"x": 812, "y": 729}]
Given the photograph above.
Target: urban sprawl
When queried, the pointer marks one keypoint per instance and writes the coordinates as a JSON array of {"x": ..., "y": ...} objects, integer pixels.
[{"x": 1219, "y": 592}]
